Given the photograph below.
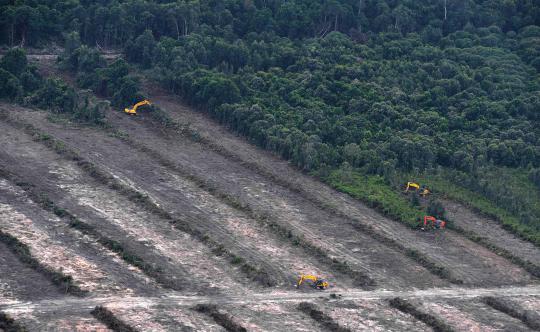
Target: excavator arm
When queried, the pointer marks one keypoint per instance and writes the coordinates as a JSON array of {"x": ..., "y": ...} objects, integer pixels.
[
  {"x": 306, "y": 277},
  {"x": 410, "y": 185},
  {"x": 133, "y": 111},
  {"x": 316, "y": 282}
]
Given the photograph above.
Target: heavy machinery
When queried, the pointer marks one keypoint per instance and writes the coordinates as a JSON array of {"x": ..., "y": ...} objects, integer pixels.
[
  {"x": 413, "y": 186},
  {"x": 315, "y": 281},
  {"x": 431, "y": 222},
  {"x": 133, "y": 111}
]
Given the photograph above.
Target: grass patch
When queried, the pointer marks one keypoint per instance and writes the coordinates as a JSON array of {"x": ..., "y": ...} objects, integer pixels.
[
  {"x": 105, "y": 316},
  {"x": 320, "y": 317},
  {"x": 8, "y": 324},
  {"x": 372, "y": 190},
  {"x": 482, "y": 205},
  {"x": 406, "y": 307},
  {"x": 220, "y": 318}
]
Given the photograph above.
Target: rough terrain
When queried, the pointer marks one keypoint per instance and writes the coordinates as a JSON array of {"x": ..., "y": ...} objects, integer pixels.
[{"x": 156, "y": 226}]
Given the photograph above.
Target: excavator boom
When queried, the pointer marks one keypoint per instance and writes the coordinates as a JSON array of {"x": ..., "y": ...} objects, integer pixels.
[
  {"x": 133, "y": 110},
  {"x": 413, "y": 186},
  {"x": 315, "y": 281},
  {"x": 433, "y": 223}
]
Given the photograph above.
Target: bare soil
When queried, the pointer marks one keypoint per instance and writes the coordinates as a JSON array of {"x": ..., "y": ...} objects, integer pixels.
[
  {"x": 490, "y": 229},
  {"x": 372, "y": 316},
  {"x": 20, "y": 282},
  {"x": 473, "y": 316},
  {"x": 300, "y": 211},
  {"x": 154, "y": 240},
  {"x": 234, "y": 194}
]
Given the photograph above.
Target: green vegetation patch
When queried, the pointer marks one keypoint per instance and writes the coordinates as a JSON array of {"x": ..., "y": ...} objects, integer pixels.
[
  {"x": 529, "y": 231},
  {"x": 374, "y": 191}
]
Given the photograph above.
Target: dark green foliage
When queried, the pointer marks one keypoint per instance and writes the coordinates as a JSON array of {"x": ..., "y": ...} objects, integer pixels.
[
  {"x": 20, "y": 82},
  {"x": 415, "y": 200},
  {"x": 534, "y": 176},
  {"x": 383, "y": 86},
  {"x": 107, "y": 80},
  {"x": 10, "y": 86},
  {"x": 14, "y": 61},
  {"x": 82, "y": 59},
  {"x": 56, "y": 96},
  {"x": 17, "y": 78},
  {"x": 105, "y": 316},
  {"x": 436, "y": 209},
  {"x": 141, "y": 50}
]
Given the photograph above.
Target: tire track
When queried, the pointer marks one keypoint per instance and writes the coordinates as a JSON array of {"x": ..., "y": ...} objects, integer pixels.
[
  {"x": 450, "y": 251},
  {"x": 75, "y": 305},
  {"x": 172, "y": 209}
]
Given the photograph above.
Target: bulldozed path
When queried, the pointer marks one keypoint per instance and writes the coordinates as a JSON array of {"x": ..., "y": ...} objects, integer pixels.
[
  {"x": 449, "y": 249},
  {"x": 104, "y": 208},
  {"x": 242, "y": 177},
  {"x": 155, "y": 241},
  {"x": 490, "y": 229},
  {"x": 236, "y": 195},
  {"x": 14, "y": 287},
  {"x": 455, "y": 293},
  {"x": 472, "y": 315},
  {"x": 53, "y": 243}
]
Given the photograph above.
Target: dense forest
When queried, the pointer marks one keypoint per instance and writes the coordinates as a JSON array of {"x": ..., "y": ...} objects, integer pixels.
[{"x": 443, "y": 90}]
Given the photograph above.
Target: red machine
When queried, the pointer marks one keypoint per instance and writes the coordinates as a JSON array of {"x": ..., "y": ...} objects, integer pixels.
[{"x": 433, "y": 223}]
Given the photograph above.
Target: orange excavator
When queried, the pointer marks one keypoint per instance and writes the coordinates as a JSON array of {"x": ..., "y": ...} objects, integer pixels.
[
  {"x": 433, "y": 223},
  {"x": 413, "y": 186},
  {"x": 315, "y": 281},
  {"x": 133, "y": 110}
]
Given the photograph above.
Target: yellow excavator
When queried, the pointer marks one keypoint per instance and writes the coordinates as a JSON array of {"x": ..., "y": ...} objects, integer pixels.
[
  {"x": 413, "y": 186},
  {"x": 133, "y": 110},
  {"x": 315, "y": 281}
]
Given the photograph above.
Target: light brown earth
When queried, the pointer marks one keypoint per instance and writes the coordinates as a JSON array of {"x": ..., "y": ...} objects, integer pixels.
[{"x": 232, "y": 192}]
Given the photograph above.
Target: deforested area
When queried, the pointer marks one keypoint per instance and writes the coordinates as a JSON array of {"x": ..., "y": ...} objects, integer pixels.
[{"x": 254, "y": 165}]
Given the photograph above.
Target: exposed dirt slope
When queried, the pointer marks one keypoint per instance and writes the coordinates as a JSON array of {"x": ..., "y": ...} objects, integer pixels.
[
  {"x": 486, "y": 227},
  {"x": 156, "y": 241},
  {"x": 172, "y": 224},
  {"x": 299, "y": 209}
]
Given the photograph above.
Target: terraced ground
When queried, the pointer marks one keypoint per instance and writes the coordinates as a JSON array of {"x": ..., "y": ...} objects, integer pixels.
[{"x": 166, "y": 230}]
